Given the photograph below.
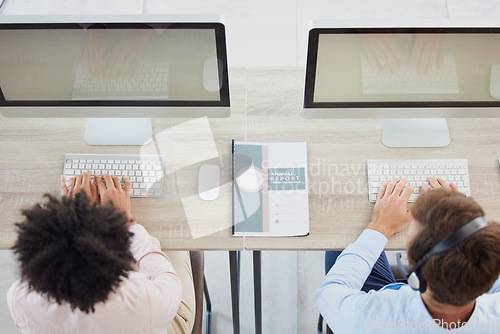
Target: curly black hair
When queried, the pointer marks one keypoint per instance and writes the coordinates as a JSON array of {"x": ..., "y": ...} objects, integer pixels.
[{"x": 73, "y": 250}]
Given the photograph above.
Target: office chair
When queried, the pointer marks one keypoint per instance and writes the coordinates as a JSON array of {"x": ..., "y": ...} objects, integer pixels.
[
  {"x": 320, "y": 326},
  {"x": 200, "y": 290}
]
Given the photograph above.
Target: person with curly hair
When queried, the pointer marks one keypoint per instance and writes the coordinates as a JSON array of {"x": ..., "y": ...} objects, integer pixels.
[{"x": 87, "y": 266}]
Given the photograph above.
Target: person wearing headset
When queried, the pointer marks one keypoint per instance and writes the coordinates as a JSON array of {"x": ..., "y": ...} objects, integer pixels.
[{"x": 454, "y": 281}]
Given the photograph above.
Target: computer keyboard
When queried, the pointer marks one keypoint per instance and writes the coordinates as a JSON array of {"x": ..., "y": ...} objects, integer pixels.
[
  {"x": 144, "y": 171},
  {"x": 417, "y": 172},
  {"x": 440, "y": 80},
  {"x": 151, "y": 82}
]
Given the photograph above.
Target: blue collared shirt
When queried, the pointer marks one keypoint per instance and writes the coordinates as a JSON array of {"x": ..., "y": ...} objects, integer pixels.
[{"x": 396, "y": 308}]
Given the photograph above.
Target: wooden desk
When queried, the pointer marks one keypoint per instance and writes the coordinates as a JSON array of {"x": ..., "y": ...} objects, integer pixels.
[
  {"x": 266, "y": 106},
  {"x": 32, "y": 156},
  {"x": 337, "y": 152}
]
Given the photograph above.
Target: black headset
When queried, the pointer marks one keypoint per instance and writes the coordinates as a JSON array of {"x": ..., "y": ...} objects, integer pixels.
[{"x": 414, "y": 278}]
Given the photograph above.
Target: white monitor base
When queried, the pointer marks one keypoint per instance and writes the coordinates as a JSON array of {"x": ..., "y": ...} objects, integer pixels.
[
  {"x": 415, "y": 132},
  {"x": 118, "y": 131}
]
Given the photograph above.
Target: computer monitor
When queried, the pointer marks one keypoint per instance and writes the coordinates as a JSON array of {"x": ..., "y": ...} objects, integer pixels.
[
  {"x": 413, "y": 75},
  {"x": 117, "y": 70}
]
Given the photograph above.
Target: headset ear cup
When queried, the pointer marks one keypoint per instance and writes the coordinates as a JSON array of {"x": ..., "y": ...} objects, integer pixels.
[
  {"x": 414, "y": 281},
  {"x": 423, "y": 282}
]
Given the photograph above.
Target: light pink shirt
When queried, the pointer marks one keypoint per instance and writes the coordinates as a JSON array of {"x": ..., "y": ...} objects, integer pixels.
[{"x": 145, "y": 302}]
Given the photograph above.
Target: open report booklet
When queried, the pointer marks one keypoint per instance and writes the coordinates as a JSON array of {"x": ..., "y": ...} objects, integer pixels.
[{"x": 270, "y": 194}]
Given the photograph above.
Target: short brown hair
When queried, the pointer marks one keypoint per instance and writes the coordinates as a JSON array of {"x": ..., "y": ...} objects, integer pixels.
[{"x": 466, "y": 271}]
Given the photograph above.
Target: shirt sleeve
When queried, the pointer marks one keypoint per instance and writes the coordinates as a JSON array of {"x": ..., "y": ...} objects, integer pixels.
[
  {"x": 339, "y": 297},
  {"x": 10, "y": 299},
  {"x": 165, "y": 290}
]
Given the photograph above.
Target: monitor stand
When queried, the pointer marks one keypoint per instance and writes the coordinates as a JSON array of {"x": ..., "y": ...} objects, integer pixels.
[
  {"x": 118, "y": 131},
  {"x": 415, "y": 132}
]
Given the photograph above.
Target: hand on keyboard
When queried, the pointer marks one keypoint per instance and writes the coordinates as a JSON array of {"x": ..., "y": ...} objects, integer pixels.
[
  {"x": 391, "y": 214},
  {"x": 421, "y": 175},
  {"x": 145, "y": 172},
  {"x": 83, "y": 182},
  {"x": 438, "y": 183},
  {"x": 111, "y": 192},
  {"x": 105, "y": 189}
]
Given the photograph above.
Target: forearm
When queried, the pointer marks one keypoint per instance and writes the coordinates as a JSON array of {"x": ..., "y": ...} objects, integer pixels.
[
  {"x": 338, "y": 295},
  {"x": 355, "y": 263},
  {"x": 165, "y": 287}
]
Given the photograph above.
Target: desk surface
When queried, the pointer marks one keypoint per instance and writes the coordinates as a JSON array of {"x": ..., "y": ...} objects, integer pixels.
[{"x": 266, "y": 106}]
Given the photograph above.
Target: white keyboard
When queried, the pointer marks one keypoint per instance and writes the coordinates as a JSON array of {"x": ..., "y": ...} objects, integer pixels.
[
  {"x": 441, "y": 80},
  {"x": 151, "y": 82},
  {"x": 144, "y": 171},
  {"x": 417, "y": 172}
]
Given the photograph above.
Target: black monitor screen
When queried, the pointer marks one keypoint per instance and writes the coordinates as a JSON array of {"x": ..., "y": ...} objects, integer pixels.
[
  {"x": 156, "y": 64},
  {"x": 403, "y": 67}
]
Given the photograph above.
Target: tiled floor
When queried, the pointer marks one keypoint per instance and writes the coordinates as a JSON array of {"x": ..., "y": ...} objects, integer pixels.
[{"x": 259, "y": 33}]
